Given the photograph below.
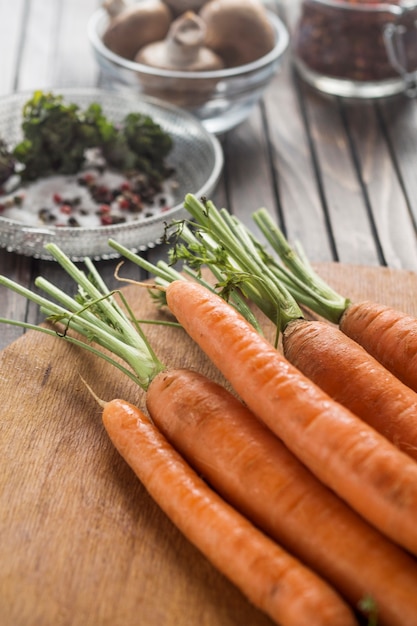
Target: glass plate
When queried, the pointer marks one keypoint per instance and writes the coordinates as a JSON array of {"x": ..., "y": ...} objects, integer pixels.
[{"x": 196, "y": 156}]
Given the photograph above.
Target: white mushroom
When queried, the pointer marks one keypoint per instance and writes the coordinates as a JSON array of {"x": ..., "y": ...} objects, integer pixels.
[
  {"x": 136, "y": 26},
  {"x": 238, "y": 30},
  {"x": 183, "y": 49}
]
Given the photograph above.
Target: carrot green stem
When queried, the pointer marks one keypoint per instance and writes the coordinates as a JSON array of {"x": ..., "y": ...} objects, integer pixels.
[
  {"x": 166, "y": 274},
  {"x": 305, "y": 284},
  {"x": 240, "y": 263},
  {"x": 94, "y": 314},
  {"x": 275, "y": 283},
  {"x": 235, "y": 255}
]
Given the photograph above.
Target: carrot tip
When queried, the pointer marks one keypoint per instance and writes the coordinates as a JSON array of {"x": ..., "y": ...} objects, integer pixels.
[{"x": 99, "y": 401}]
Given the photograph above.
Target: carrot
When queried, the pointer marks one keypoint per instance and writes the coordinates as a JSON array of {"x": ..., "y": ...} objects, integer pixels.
[
  {"x": 366, "y": 470},
  {"x": 275, "y": 581},
  {"x": 252, "y": 469},
  {"x": 344, "y": 369},
  {"x": 272, "y": 580},
  {"x": 389, "y": 335},
  {"x": 323, "y": 353}
]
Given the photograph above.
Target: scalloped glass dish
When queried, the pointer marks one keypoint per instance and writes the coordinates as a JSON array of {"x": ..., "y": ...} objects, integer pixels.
[{"x": 196, "y": 156}]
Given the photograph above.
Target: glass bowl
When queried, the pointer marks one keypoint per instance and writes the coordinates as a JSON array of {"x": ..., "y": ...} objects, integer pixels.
[
  {"x": 354, "y": 49},
  {"x": 196, "y": 156},
  {"x": 233, "y": 91}
]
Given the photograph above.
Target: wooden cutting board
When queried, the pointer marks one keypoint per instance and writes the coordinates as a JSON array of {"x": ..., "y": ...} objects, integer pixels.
[{"x": 82, "y": 544}]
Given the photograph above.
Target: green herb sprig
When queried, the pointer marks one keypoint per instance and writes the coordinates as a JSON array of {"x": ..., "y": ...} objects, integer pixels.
[{"x": 57, "y": 136}]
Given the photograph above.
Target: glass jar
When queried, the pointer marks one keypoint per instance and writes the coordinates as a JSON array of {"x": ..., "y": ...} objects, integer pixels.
[{"x": 357, "y": 48}]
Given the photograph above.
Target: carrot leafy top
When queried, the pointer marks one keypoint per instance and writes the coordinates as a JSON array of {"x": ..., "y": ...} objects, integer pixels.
[
  {"x": 274, "y": 281},
  {"x": 216, "y": 240},
  {"x": 302, "y": 280},
  {"x": 95, "y": 314},
  {"x": 241, "y": 264}
]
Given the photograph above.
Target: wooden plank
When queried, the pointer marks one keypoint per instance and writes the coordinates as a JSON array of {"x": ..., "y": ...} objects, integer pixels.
[
  {"x": 39, "y": 50},
  {"x": 248, "y": 170},
  {"x": 74, "y": 64},
  {"x": 301, "y": 210},
  {"x": 56, "y": 50},
  {"x": 390, "y": 212},
  {"x": 400, "y": 118},
  {"x": 290, "y": 9},
  {"x": 343, "y": 194},
  {"x": 301, "y": 205},
  {"x": 11, "y": 306},
  {"x": 12, "y": 24}
]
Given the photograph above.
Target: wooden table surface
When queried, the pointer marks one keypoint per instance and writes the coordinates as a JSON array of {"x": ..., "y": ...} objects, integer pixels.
[{"x": 339, "y": 176}]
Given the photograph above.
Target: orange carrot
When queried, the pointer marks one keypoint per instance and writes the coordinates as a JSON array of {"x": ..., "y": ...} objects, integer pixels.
[
  {"x": 354, "y": 378},
  {"x": 371, "y": 474},
  {"x": 389, "y": 335},
  {"x": 251, "y": 468},
  {"x": 274, "y": 581}
]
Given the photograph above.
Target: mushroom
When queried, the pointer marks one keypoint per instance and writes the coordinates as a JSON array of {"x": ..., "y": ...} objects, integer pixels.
[
  {"x": 184, "y": 50},
  {"x": 238, "y": 30},
  {"x": 178, "y": 7},
  {"x": 136, "y": 26}
]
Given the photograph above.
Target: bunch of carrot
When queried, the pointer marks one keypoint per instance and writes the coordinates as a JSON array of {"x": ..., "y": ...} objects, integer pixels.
[
  {"x": 338, "y": 500},
  {"x": 336, "y": 363},
  {"x": 352, "y": 459},
  {"x": 274, "y": 580},
  {"x": 313, "y": 345}
]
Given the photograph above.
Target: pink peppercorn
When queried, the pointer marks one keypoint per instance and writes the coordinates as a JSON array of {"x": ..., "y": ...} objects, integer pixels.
[
  {"x": 124, "y": 203},
  {"x": 106, "y": 220},
  {"x": 65, "y": 208},
  {"x": 89, "y": 178}
]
